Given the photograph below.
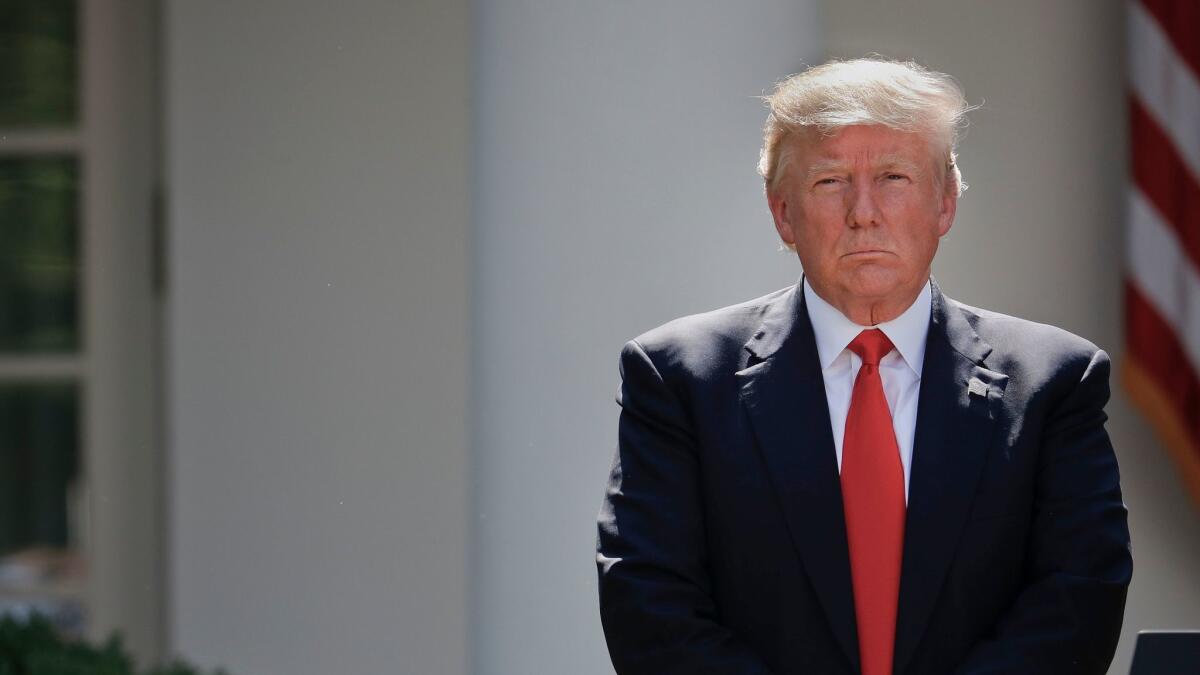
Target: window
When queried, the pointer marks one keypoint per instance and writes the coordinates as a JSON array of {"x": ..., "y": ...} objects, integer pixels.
[
  {"x": 42, "y": 567},
  {"x": 79, "y": 460}
]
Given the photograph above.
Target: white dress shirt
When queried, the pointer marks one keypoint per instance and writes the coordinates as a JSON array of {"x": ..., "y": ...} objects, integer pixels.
[{"x": 900, "y": 369}]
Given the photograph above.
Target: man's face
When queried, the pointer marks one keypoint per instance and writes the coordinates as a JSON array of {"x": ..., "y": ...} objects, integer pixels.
[{"x": 864, "y": 209}]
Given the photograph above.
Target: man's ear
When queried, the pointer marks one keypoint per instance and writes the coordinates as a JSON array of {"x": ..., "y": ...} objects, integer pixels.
[
  {"x": 949, "y": 205},
  {"x": 782, "y": 215}
]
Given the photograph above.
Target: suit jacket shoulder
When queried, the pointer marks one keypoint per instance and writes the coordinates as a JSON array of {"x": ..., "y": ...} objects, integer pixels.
[
  {"x": 698, "y": 345},
  {"x": 1009, "y": 333},
  {"x": 1034, "y": 355}
]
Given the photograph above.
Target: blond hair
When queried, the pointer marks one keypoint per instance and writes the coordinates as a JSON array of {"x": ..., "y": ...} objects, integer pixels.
[{"x": 900, "y": 95}]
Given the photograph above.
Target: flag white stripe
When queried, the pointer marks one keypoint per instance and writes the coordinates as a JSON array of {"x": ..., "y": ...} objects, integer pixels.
[
  {"x": 1166, "y": 278},
  {"x": 1165, "y": 84}
]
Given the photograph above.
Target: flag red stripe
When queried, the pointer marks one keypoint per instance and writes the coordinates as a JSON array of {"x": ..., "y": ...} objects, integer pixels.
[
  {"x": 1155, "y": 404},
  {"x": 1161, "y": 174},
  {"x": 1154, "y": 344},
  {"x": 1180, "y": 21}
]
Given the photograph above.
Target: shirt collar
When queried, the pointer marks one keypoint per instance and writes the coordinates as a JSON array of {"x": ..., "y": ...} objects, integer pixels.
[{"x": 833, "y": 331}]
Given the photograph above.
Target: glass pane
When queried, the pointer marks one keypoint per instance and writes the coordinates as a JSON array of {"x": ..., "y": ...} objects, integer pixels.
[
  {"x": 39, "y": 63},
  {"x": 39, "y": 467},
  {"x": 39, "y": 254},
  {"x": 41, "y": 504}
]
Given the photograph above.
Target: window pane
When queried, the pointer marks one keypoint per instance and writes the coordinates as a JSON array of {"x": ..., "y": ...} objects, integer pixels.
[
  {"x": 39, "y": 254},
  {"x": 39, "y": 65},
  {"x": 39, "y": 467},
  {"x": 41, "y": 504}
]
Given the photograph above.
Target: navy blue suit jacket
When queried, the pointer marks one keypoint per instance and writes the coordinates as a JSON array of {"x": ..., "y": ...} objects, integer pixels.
[{"x": 722, "y": 544}]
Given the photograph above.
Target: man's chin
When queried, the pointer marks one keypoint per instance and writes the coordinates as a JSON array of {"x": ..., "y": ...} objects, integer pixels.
[{"x": 874, "y": 281}]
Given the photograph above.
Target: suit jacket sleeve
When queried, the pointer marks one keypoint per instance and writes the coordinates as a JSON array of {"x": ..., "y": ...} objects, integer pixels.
[
  {"x": 655, "y": 597},
  {"x": 1067, "y": 618}
]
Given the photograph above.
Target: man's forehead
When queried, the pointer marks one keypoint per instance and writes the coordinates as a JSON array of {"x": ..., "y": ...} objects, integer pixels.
[
  {"x": 877, "y": 138},
  {"x": 880, "y": 158},
  {"x": 878, "y": 145}
]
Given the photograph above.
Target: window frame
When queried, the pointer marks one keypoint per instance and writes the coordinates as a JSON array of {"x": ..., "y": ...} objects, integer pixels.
[{"x": 117, "y": 142}]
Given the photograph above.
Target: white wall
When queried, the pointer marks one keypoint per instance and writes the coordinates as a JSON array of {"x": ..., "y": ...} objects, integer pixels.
[
  {"x": 614, "y": 190},
  {"x": 1040, "y": 233},
  {"x": 317, "y": 356}
]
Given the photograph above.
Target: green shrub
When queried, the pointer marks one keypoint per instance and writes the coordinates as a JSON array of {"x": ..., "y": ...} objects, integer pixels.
[{"x": 33, "y": 647}]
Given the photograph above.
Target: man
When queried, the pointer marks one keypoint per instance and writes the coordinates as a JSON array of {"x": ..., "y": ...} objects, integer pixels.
[{"x": 859, "y": 474}]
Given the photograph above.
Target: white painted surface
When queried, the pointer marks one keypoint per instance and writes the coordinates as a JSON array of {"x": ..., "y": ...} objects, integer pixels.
[
  {"x": 122, "y": 354},
  {"x": 318, "y": 168},
  {"x": 1041, "y": 232},
  {"x": 616, "y": 145}
]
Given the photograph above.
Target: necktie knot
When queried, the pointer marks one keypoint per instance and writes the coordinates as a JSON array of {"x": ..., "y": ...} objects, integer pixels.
[{"x": 871, "y": 345}]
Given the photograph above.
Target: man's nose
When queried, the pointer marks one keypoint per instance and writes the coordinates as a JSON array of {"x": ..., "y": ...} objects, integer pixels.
[{"x": 863, "y": 209}]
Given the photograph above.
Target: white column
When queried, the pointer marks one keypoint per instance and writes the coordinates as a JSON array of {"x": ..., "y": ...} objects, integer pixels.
[
  {"x": 318, "y": 169},
  {"x": 615, "y": 189}
]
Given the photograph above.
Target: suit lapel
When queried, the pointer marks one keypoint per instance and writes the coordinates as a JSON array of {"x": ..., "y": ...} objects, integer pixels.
[
  {"x": 955, "y": 414},
  {"x": 784, "y": 394}
]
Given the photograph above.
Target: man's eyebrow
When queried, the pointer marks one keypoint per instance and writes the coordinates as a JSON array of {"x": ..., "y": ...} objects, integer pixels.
[
  {"x": 900, "y": 162},
  {"x": 823, "y": 166}
]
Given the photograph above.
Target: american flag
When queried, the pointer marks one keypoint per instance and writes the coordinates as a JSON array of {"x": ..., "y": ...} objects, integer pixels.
[{"x": 1162, "y": 284}]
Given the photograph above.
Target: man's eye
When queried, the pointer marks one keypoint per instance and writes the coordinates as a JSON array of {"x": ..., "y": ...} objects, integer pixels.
[
  {"x": 827, "y": 181},
  {"x": 896, "y": 176}
]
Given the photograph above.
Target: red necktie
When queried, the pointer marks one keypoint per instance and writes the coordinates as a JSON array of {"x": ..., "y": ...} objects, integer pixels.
[{"x": 873, "y": 501}]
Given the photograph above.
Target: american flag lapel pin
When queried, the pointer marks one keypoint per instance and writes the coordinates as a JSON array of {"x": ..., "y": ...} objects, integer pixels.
[{"x": 976, "y": 387}]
